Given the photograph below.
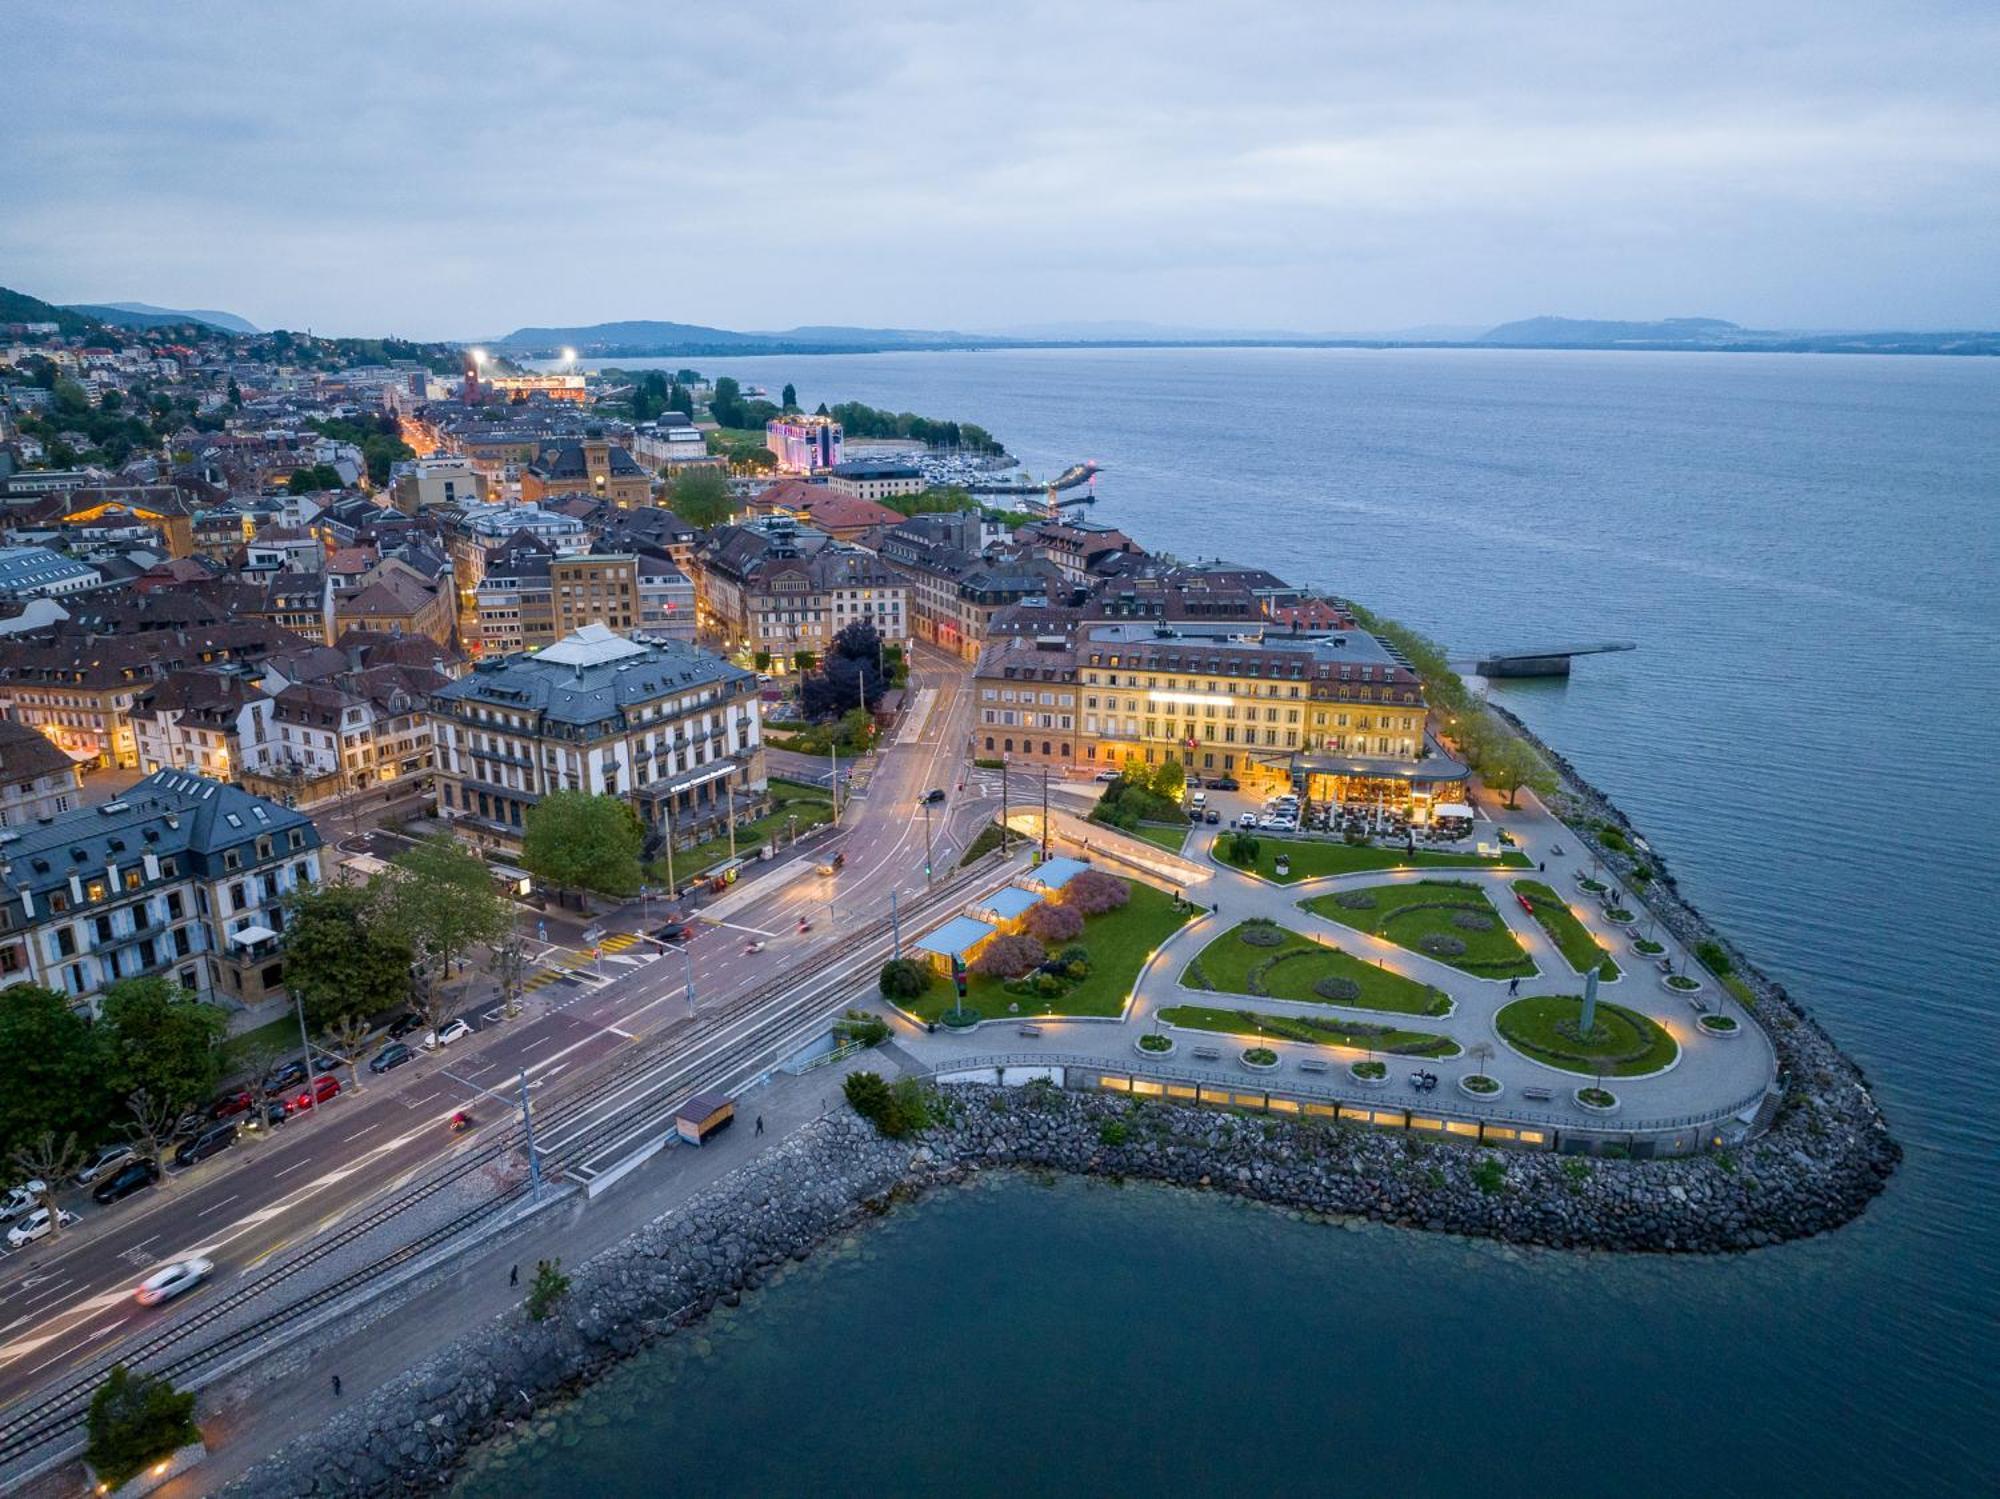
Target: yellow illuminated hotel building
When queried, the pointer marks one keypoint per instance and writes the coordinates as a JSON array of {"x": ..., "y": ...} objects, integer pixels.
[{"x": 1335, "y": 716}]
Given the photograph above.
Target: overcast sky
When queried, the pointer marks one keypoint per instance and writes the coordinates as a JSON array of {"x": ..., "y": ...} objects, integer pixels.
[{"x": 445, "y": 171}]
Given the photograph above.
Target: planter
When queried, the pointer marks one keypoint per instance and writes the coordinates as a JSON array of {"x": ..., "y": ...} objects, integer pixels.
[
  {"x": 1619, "y": 916},
  {"x": 1646, "y": 947},
  {"x": 1590, "y": 886},
  {"x": 1682, "y": 984},
  {"x": 959, "y": 1020},
  {"x": 1596, "y": 1100},
  {"x": 1369, "y": 1074},
  {"x": 1493, "y": 1089},
  {"x": 1260, "y": 1059},
  {"x": 1151, "y": 1045},
  {"x": 1721, "y": 1026}
]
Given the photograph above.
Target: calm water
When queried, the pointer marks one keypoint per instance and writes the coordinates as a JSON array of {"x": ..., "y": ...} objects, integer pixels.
[{"x": 1804, "y": 549}]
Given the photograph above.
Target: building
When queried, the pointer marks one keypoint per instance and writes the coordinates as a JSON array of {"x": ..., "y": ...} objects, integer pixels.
[
  {"x": 673, "y": 442},
  {"x": 955, "y": 594},
  {"x": 37, "y": 780},
  {"x": 1025, "y": 702},
  {"x": 532, "y": 597},
  {"x": 592, "y": 466},
  {"x": 774, "y": 590},
  {"x": 803, "y": 444},
  {"x": 569, "y": 388},
  {"x": 183, "y": 877},
  {"x": 207, "y": 722},
  {"x": 672, "y": 728},
  {"x": 875, "y": 478},
  {"x": 426, "y": 482},
  {"x": 666, "y": 601},
  {"x": 394, "y": 598},
  {"x": 37, "y": 572}
]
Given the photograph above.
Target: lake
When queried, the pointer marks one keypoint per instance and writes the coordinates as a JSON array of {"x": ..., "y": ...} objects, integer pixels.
[{"x": 1803, "y": 548}]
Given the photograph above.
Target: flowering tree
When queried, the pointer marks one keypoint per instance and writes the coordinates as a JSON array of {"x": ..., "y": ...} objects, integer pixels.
[
  {"x": 1093, "y": 892},
  {"x": 1054, "y": 925},
  {"x": 1009, "y": 957}
]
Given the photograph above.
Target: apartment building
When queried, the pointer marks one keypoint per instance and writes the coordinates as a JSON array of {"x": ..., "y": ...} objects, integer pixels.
[
  {"x": 36, "y": 779},
  {"x": 1025, "y": 697},
  {"x": 773, "y": 588}
]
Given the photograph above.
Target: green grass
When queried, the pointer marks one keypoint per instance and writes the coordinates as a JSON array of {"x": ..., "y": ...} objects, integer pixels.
[
  {"x": 1311, "y": 859},
  {"x": 1741, "y": 990},
  {"x": 1571, "y": 937},
  {"x": 1623, "y": 1044},
  {"x": 1314, "y": 1029},
  {"x": 810, "y": 804},
  {"x": 984, "y": 844},
  {"x": 1228, "y": 962},
  {"x": 1119, "y": 941},
  {"x": 240, "y": 1053},
  {"x": 1168, "y": 838},
  {"x": 1407, "y": 913}
]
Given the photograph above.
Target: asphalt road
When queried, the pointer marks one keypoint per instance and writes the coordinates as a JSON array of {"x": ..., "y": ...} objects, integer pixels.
[{"x": 66, "y": 1303}]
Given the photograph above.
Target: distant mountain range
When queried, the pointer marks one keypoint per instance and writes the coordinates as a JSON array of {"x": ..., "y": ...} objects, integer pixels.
[{"x": 145, "y": 315}]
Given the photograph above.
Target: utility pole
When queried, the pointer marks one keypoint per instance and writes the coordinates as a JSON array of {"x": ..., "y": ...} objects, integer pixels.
[
  {"x": 1003, "y": 806},
  {"x": 833, "y": 777},
  {"x": 528, "y": 1124},
  {"x": 673, "y": 890},
  {"x": 688, "y": 959},
  {"x": 927, "y": 843},
  {"x": 895, "y": 928},
  {"x": 1045, "y": 814},
  {"x": 299, "y": 1005},
  {"x": 729, "y": 791}
]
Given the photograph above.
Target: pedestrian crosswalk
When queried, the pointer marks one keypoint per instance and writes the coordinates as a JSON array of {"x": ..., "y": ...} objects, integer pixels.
[{"x": 560, "y": 965}]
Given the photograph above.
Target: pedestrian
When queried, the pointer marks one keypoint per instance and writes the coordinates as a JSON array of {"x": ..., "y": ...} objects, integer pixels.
[
  {"x": 514, "y": 1276},
  {"x": 1513, "y": 987},
  {"x": 1543, "y": 867},
  {"x": 760, "y": 1124},
  {"x": 336, "y": 1387}
]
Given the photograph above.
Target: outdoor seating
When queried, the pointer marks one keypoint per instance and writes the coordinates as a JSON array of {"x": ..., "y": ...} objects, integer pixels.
[
  {"x": 1311, "y": 1064},
  {"x": 1031, "y": 1030},
  {"x": 1540, "y": 1095},
  {"x": 1207, "y": 1054}
]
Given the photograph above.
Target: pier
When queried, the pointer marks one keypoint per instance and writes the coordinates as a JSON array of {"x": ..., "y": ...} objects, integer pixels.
[{"x": 1543, "y": 661}]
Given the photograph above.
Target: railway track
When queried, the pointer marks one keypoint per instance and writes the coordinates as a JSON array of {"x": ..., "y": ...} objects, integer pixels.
[{"x": 618, "y": 1102}]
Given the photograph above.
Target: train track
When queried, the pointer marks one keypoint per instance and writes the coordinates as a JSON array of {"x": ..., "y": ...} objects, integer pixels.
[{"x": 713, "y": 1048}]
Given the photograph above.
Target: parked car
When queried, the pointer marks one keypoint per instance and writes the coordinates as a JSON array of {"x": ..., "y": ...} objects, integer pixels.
[
  {"x": 392, "y": 1055},
  {"x": 21, "y": 1199},
  {"x": 167, "y": 1282},
  {"x": 230, "y": 1104},
  {"x": 36, "y": 1226},
  {"x": 283, "y": 1078},
  {"x": 133, "y": 1176},
  {"x": 322, "y": 1089},
  {"x": 211, "y": 1141},
  {"x": 1247, "y": 820},
  {"x": 445, "y": 1034},
  {"x": 1107, "y": 775},
  {"x": 405, "y": 1023},
  {"x": 1223, "y": 783},
  {"x": 1211, "y": 816},
  {"x": 271, "y": 1111},
  {"x": 107, "y": 1158}
]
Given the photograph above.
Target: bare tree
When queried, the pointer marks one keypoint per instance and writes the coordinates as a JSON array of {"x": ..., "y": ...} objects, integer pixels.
[
  {"x": 1481, "y": 1053},
  {"x": 51, "y": 1160},
  {"x": 152, "y": 1127},
  {"x": 510, "y": 961},
  {"x": 347, "y": 1038}
]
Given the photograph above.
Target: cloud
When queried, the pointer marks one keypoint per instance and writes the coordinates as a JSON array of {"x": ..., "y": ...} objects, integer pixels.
[{"x": 456, "y": 170}]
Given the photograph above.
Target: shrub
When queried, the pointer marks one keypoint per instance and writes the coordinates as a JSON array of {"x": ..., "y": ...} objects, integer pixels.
[
  {"x": 895, "y": 1110},
  {"x": 550, "y": 1286},
  {"x": 1440, "y": 945},
  {"x": 1051, "y": 925},
  {"x": 1714, "y": 957},
  {"x": 1480, "y": 1083},
  {"x": 990, "y": 764},
  {"x": 1154, "y": 1042},
  {"x": 905, "y": 978},
  {"x": 1490, "y": 1175},
  {"x": 135, "y": 1418},
  {"x": 1009, "y": 957},
  {"x": 1261, "y": 935},
  {"x": 1114, "y": 1132},
  {"x": 858, "y": 1025},
  {"x": 1048, "y": 986},
  {"x": 1472, "y": 921},
  {"x": 1370, "y": 1069},
  {"x": 1354, "y": 838},
  {"x": 1239, "y": 849},
  {"x": 1094, "y": 892},
  {"x": 1355, "y": 900},
  {"x": 1260, "y": 1056},
  {"x": 1339, "y": 990}
]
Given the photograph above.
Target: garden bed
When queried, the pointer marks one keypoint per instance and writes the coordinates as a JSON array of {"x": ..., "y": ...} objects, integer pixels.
[
  {"x": 1571, "y": 937},
  {"x": 1479, "y": 1085},
  {"x": 1623, "y": 1043},
  {"x": 1311, "y": 859},
  {"x": 811, "y": 805},
  {"x": 1314, "y": 1030},
  {"x": 1153, "y": 1044},
  {"x": 1288, "y": 966},
  {"x": 1451, "y": 921}
]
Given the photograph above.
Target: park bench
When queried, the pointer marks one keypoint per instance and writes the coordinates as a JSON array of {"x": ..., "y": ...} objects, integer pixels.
[
  {"x": 1031, "y": 1030},
  {"x": 1312, "y": 1065},
  {"x": 1207, "y": 1054},
  {"x": 1540, "y": 1095}
]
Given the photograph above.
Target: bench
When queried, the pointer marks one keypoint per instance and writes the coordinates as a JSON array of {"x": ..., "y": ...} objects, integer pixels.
[
  {"x": 1540, "y": 1095},
  {"x": 1311, "y": 1064},
  {"x": 1207, "y": 1054},
  {"x": 1031, "y": 1030}
]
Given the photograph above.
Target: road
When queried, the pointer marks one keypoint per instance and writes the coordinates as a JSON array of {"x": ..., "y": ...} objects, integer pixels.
[{"x": 66, "y": 1304}]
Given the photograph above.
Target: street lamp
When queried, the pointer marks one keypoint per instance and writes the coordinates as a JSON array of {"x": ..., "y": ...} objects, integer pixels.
[{"x": 927, "y": 842}]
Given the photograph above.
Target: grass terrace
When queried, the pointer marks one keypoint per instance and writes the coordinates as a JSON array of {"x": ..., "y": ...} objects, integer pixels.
[
  {"x": 811, "y": 805},
  {"x": 1571, "y": 937},
  {"x": 1451, "y": 921},
  {"x": 1316, "y": 1030},
  {"x": 1311, "y": 859},
  {"x": 1119, "y": 941},
  {"x": 1162, "y": 836},
  {"x": 1271, "y": 962},
  {"x": 1622, "y": 1043}
]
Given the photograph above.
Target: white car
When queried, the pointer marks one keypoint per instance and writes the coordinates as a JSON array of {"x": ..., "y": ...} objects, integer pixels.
[
  {"x": 106, "y": 1160},
  {"x": 449, "y": 1032},
  {"x": 167, "y": 1282},
  {"x": 21, "y": 1199},
  {"x": 35, "y": 1226},
  {"x": 1247, "y": 820},
  {"x": 1107, "y": 775}
]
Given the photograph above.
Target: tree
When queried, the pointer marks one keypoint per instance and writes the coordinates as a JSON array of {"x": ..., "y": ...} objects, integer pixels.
[
  {"x": 549, "y": 1286},
  {"x": 850, "y": 677},
  {"x": 161, "y": 1040},
  {"x": 439, "y": 898},
  {"x": 1481, "y": 1052},
  {"x": 804, "y": 661},
  {"x": 1009, "y": 957},
  {"x": 789, "y": 399},
  {"x": 905, "y": 978},
  {"x": 1508, "y": 764},
  {"x": 135, "y": 1419},
  {"x": 1094, "y": 892},
  {"x": 54, "y": 1068},
  {"x": 338, "y": 959},
  {"x": 347, "y": 1038},
  {"x": 575, "y": 840},
  {"x": 1170, "y": 780},
  {"x": 680, "y": 399},
  {"x": 52, "y": 1160},
  {"x": 761, "y": 660},
  {"x": 509, "y": 961},
  {"x": 700, "y": 496},
  {"x": 152, "y": 1126},
  {"x": 1054, "y": 925},
  {"x": 726, "y": 404},
  {"x": 235, "y": 392}
]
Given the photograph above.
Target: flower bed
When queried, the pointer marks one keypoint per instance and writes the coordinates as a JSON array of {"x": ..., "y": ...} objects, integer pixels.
[
  {"x": 1449, "y": 920},
  {"x": 1153, "y": 1044},
  {"x": 1239, "y": 962},
  {"x": 1682, "y": 983},
  {"x": 1260, "y": 1059},
  {"x": 1479, "y": 1085},
  {"x": 1370, "y": 1074},
  {"x": 1596, "y": 1100},
  {"x": 1648, "y": 947},
  {"x": 1719, "y": 1025},
  {"x": 1622, "y": 1043},
  {"x": 1314, "y": 1030}
]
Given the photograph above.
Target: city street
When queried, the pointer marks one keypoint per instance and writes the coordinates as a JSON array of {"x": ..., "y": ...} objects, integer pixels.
[{"x": 66, "y": 1304}]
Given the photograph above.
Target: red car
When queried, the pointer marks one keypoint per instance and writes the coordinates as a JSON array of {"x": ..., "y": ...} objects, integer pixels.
[
  {"x": 323, "y": 1088},
  {"x": 1526, "y": 904},
  {"x": 229, "y": 1105}
]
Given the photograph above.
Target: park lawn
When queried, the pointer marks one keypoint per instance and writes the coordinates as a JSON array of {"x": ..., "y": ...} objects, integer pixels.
[
  {"x": 1120, "y": 942},
  {"x": 1623, "y": 1044},
  {"x": 240, "y": 1053},
  {"x": 1226, "y": 964},
  {"x": 1162, "y": 836},
  {"x": 1317, "y": 1030},
  {"x": 810, "y": 804},
  {"x": 1571, "y": 937},
  {"x": 1405, "y": 914},
  {"x": 1312, "y": 859}
]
